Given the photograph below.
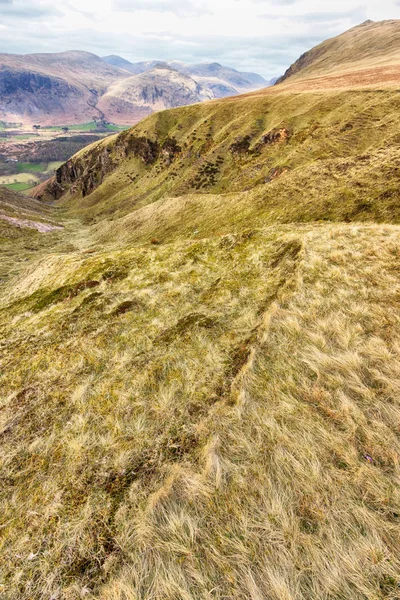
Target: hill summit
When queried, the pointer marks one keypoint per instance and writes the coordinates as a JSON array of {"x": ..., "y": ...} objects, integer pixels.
[{"x": 368, "y": 54}]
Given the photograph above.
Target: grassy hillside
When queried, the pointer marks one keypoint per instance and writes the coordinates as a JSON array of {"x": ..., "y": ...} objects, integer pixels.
[
  {"x": 276, "y": 156},
  {"x": 23, "y": 221},
  {"x": 200, "y": 371},
  {"x": 368, "y": 55}
]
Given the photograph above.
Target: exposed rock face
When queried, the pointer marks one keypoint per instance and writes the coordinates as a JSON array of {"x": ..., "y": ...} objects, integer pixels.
[
  {"x": 86, "y": 173},
  {"x": 30, "y": 93},
  {"x": 14, "y": 81}
]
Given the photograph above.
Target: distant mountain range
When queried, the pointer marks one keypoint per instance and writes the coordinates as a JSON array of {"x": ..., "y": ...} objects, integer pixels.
[
  {"x": 76, "y": 87},
  {"x": 223, "y": 81}
]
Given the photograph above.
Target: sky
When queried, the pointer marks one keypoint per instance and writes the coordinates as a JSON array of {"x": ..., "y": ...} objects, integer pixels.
[{"x": 263, "y": 36}]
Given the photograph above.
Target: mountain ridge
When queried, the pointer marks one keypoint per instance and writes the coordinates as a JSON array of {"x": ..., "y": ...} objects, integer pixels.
[
  {"x": 69, "y": 87},
  {"x": 368, "y": 52},
  {"x": 244, "y": 80}
]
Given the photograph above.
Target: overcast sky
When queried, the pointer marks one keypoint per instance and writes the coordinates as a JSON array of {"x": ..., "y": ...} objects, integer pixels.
[{"x": 264, "y": 36}]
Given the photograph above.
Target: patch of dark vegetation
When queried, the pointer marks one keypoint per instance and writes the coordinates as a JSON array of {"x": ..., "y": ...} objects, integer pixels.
[
  {"x": 238, "y": 360},
  {"x": 389, "y": 586},
  {"x": 127, "y": 306},
  {"x": 288, "y": 250},
  {"x": 43, "y": 298},
  {"x": 309, "y": 515},
  {"x": 185, "y": 324},
  {"x": 88, "y": 301},
  {"x": 241, "y": 145},
  {"x": 61, "y": 148},
  {"x": 179, "y": 444},
  {"x": 206, "y": 175},
  {"x": 114, "y": 275}
]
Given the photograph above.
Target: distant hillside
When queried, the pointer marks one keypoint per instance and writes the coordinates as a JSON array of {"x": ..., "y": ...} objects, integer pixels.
[
  {"x": 122, "y": 63},
  {"x": 20, "y": 215},
  {"x": 367, "y": 54},
  {"x": 223, "y": 81},
  {"x": 157, "y": 89},
  {"x": 78, "y": 87},
  {"x": 53, "y": 88}
]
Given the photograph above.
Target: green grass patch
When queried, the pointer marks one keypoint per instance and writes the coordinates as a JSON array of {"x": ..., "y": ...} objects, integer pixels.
[
  {"x": 20, "y": 186},
  {"x": 92, "y": 126},
  {"x": 26, "y": 167}
]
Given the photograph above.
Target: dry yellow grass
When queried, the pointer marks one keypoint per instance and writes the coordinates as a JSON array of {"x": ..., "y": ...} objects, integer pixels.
[
  {"x": 366, "y": 55},
  {"x": 199, "y": 424}
]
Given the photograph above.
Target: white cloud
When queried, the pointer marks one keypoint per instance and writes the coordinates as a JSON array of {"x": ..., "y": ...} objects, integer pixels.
[
  {"x": 26, "y": 9},
  {"x": 260, "y": 35},
  {"x": 180, "y": 8}
]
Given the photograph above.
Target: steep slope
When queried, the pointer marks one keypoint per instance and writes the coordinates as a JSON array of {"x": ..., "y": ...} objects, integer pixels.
[
  {"x": 21, "y": 208},
  {"x": 28, "y": 229},
  {"x": 365, "y": 55},
  {"x": 200, "y": 378},
  {"x": 336, "y": 153}
]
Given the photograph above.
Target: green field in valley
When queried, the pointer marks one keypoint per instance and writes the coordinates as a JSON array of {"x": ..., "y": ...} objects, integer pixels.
[
  {"x": 20, "y": 186},
  {"x": 92, "y": 126}
]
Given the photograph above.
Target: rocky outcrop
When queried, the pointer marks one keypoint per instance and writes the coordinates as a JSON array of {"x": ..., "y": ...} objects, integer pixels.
[
  {"x": 85, "y": 173},
  {"x": 242, "y": 144},
  {"x": 30, "y": 93},
  {"x": 12, "y": 82}
]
